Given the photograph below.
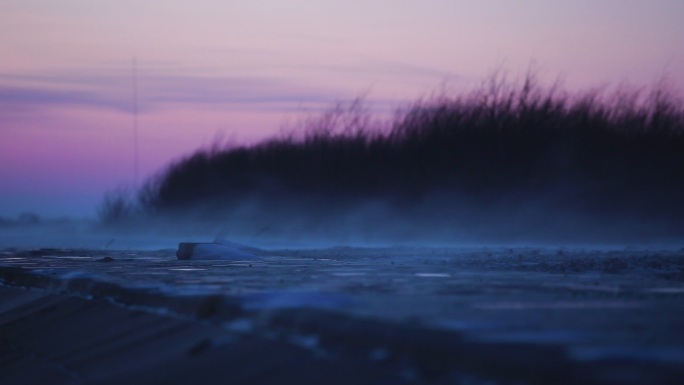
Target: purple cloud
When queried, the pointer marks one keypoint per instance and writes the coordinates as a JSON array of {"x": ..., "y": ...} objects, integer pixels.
[{"x": 28, "y": 98}]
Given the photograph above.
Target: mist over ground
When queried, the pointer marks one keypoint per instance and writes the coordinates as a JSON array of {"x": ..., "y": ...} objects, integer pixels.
[{"x": 507, "y": 163}]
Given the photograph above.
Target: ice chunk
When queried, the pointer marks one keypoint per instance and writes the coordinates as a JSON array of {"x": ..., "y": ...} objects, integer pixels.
[{"x": 210, "y": 251}]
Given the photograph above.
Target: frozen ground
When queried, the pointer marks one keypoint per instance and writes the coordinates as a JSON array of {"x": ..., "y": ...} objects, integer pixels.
[{"x": 424, "y": 315}]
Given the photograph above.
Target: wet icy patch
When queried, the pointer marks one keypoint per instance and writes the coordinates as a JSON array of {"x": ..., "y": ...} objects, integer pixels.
[
  {"x": 670, "y": 354},
  {"x": 532, "y": 336},
  {"x": 296, "y": 299}
]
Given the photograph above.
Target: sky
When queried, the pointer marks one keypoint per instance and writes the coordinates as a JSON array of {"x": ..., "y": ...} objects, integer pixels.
[{"x": 101, "y": 95}]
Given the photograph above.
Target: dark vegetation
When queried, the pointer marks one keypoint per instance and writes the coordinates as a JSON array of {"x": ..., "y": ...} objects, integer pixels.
[{"x": 503, "y": 157}]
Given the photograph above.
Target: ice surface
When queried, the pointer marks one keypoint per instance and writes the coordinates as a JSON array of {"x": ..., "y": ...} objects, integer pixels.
[{"x": 595, "y": 304}]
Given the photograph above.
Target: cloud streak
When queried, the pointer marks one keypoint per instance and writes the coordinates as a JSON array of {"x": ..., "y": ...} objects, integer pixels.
[
  {"x": 114, "y": 91},
  {"x": 18, "y": 98},
  {"x": 160, "y": 89}
]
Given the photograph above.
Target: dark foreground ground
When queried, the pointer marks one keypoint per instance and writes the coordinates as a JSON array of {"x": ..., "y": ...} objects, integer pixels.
[{"x": 343, "y": 316}]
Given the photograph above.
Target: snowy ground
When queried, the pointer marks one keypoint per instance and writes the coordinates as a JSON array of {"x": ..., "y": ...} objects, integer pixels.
[{"x": 497, "y": 314}]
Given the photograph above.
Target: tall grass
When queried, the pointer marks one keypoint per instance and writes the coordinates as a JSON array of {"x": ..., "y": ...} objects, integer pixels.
[{"x": 619, "y": 154}]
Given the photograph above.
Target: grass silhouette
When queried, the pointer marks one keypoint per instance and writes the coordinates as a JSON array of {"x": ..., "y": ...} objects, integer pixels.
[{"x": 606, "y": 158}]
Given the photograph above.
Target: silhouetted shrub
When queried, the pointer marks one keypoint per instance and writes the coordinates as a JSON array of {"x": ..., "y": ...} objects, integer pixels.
[
  {"x": 117, "y": 207},
  {"x": 619, "y": 154}
]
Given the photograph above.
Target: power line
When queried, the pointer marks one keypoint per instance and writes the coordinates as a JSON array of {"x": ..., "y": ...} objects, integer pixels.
[{"x": 134, "y": 68}]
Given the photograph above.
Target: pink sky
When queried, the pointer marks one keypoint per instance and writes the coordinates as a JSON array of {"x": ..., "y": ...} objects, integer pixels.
[{"x": 239, "y": 69}]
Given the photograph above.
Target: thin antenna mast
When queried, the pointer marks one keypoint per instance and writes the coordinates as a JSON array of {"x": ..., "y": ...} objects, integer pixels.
[{"x": 135, "y": 121}]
